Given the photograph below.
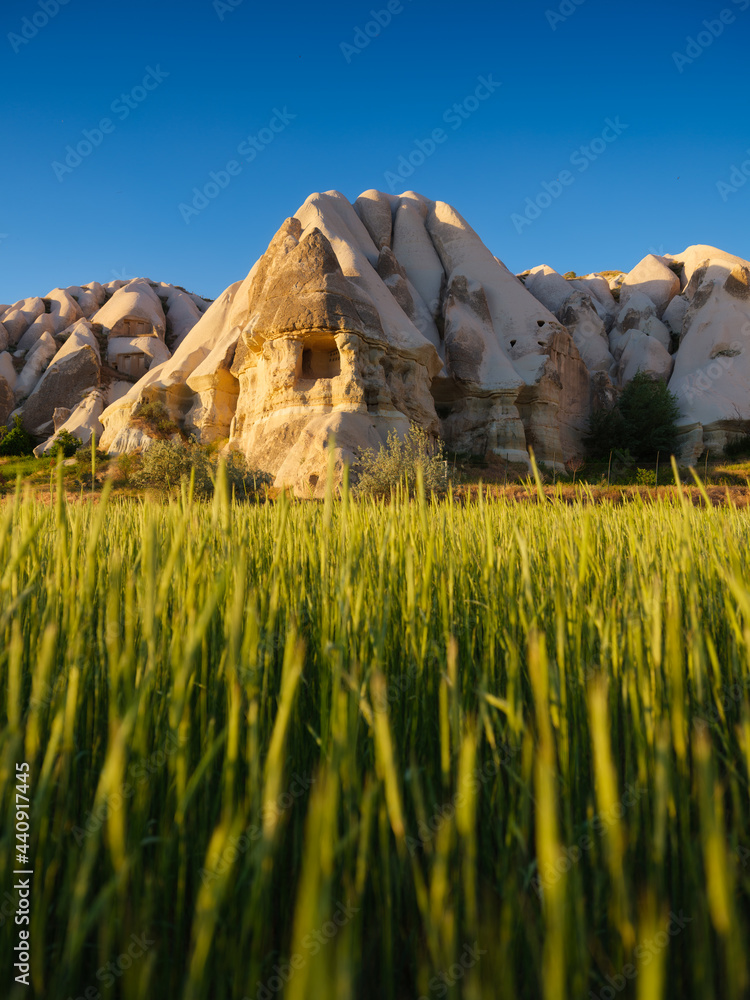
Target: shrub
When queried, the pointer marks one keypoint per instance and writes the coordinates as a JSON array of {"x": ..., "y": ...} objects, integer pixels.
[
  {"x": 66, "y": 443},
  {"x": 642, "y": 422},
  {"x": 380, "y": 472},
  {"x": 167, "y": 463},
  {"x": 649, "y": 410},
  {"x": 152, "y": 417},
  {"x": 645, "y": 477},
  {"x": 606, "y": 433},
  {"x": 125, "y": 468},
  {"x": 17, "y": 441}
]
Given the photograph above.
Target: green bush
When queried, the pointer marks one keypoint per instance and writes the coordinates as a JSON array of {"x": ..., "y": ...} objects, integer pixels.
[
  {"x": 165, "y": 464},
  {"x": 379, "y": 473},
  {"x": 645, "y": 477},
  {"x": 66, "y": 443},
  {"x": 17, "y": 441},
  {"x": 642, "y": 422},
  {"x": 152, "y": 417}
]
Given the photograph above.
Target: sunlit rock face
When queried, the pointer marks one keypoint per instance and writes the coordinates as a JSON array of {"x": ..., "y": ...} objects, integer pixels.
[
  {"x": 75, "y": 348},
  {"x": 363, "y": 319}
]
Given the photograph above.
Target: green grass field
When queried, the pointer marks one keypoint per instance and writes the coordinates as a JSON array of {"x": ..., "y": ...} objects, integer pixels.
[{"x": 348, "y": 750}]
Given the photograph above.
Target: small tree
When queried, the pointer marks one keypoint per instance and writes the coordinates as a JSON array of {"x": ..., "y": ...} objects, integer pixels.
[
  {"x": 65, "y": 442},
  {"x": 152, "y": 417},
  {"x": 17, "y": 441},
  {"x": 641, "y": 423},
  {"x": 650, "y": 412},
  {"x": 397, "y": 462}
]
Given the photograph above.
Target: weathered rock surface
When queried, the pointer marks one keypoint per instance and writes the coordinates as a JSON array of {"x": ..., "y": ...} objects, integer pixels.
[
  {"x": 653, "y": 278},
  {"x": 549, "y": 287},
  {"x": 7, "y": 369},
  {"x": 674, "y": 314},
  {"x": 82, "y": 421},
  {"x": 90, "y": 298},
  {"x": 62, "y": 308},
  {"x": 364, "y": 318},
  {"x": 642, "y": 353},
  {"x": 167, "y": 383},
  {"x": 73, "y": 372},
  {"x": 640, "y": 313},
  {"x": 36, "y": 361},
  {"x": 134, "y": 310},
  {"x": 42, "y": 324},
  {"x": 20, "y": 316},
  {"x": 589, "y": 333},
  {"x": 7, "y": 399},
  {"x": 148, "y": 310},
  {"x": 711, "y": 377}
]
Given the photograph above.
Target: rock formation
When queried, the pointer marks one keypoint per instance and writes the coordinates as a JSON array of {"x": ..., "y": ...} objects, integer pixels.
[
  {"x": 360, "y": 319},
  {"x": 363, "y": 318},
  {"x": 75, "y": 348}
]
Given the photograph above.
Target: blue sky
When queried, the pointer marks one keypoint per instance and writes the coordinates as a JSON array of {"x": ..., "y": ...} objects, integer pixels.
[{"x": 184, "y": 86}]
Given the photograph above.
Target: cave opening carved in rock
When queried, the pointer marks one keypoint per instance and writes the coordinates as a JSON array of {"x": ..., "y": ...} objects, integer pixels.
[{"x": 320, "y": 359}]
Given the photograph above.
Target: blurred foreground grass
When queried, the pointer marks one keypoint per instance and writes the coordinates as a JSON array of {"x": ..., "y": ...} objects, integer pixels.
[{"x": 357, "y": 750}]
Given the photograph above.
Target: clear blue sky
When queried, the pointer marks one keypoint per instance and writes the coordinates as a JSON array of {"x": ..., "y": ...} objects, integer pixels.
[{"x": 231, "y": 66}]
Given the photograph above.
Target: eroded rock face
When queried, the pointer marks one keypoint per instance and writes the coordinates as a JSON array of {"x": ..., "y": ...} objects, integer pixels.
[
  {"x": 364, "y": 318},
  {"x": 82, "y": 421},
  {"x": 711, "y": 377},
  {"x": 36, "y": 361},
  {"x": 137, "y": 314},
  {"x": 321, "y": 355},
  {"x": 653, "y": 278},
  {"x": 20, "y": 316},
  {"x": 73, "y": 371},
  {"x": 167, "y": 383},
  {"x": 589, "y": 333},
  {"x": 7, "y": 400}
]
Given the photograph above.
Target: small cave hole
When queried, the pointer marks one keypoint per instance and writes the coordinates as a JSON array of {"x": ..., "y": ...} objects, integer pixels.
[
  {"x": 513, "y": 343},
  {"x": 540, "y": 322},
  {"x": 321, "y": 360}
]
